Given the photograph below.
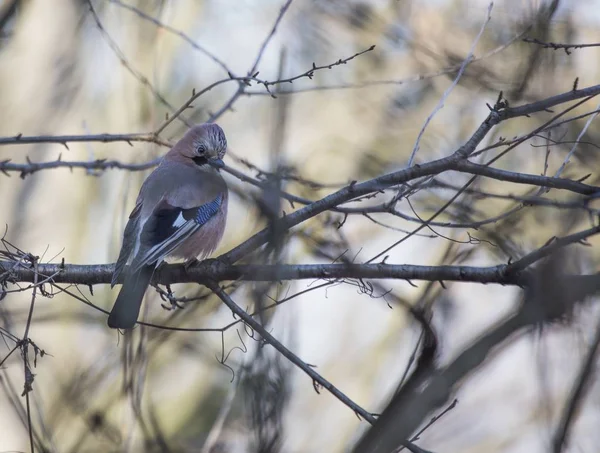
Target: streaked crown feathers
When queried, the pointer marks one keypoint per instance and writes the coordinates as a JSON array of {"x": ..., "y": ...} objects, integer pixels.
[{"x": 209, "y": 139}]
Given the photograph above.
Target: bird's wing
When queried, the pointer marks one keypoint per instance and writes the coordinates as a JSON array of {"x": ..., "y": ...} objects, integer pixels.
[
  {"x": 129, "y": 242},
  {"x": 169, "y": 226}
]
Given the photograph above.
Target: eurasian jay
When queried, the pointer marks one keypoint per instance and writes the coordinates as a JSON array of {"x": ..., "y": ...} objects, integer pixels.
[{"x": 180, "y": 213}]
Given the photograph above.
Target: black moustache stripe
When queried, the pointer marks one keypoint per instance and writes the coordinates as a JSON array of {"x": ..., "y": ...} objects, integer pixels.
[{"x": 200, "y": 160}]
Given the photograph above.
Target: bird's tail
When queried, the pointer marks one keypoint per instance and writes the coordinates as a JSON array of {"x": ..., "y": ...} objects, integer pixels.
[{"x": 125, "y": 312}]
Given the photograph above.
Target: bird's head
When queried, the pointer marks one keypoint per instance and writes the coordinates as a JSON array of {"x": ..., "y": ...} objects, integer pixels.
[{"x": 204, "y": 144}]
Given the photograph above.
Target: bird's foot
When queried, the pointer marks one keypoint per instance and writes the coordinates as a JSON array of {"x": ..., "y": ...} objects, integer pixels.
[{"x": 168, "y": 296}]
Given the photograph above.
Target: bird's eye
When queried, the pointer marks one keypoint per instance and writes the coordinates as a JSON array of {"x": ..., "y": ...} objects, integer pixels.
[{"x": 201, "y": 149}]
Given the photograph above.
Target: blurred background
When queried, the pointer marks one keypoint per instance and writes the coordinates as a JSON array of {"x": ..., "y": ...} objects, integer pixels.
[{"x": 67, "y": 68}]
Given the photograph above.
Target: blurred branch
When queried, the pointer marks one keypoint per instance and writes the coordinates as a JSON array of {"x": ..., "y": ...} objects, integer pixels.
[
  {"x": 577, "y": 393},
  {"x": 7, "y": 11},
  {"x": 269, "y": 37},
  {"x": 576, "y": 143},
  {"x": 549, "y": 295},
  {"x": 411, "y": 406},
  {"x": 175, "y": 31},
  {"x": 124, "y": 61}
]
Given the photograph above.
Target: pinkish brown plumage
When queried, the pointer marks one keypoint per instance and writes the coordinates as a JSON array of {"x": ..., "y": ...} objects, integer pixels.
[
  {"x": 180, "y": 213},
  {"x": 206, "y": 240}
]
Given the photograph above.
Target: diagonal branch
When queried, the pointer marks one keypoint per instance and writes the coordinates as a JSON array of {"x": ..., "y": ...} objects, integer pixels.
[
  {"x": 499, "y": 113},
  {"x": 270, "y": 339},
  {"x": 577, "y": 394}
]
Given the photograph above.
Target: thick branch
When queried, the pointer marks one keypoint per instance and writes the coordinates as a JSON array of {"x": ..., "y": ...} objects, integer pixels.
[
  {"x": 217, "y": 271},
  {"x": 341, "y": 196}
]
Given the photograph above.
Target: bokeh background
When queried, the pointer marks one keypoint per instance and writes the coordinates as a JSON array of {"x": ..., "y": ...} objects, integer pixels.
[{"x": 63, "y": 73}]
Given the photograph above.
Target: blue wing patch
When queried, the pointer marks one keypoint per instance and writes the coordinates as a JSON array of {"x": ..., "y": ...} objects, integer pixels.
[
  {"x": 204, "y": 213},
  {"x": 164, "y": 231}
]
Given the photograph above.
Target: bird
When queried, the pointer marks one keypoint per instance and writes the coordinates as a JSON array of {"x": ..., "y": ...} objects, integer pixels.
[{"x": 180, "y": 212}]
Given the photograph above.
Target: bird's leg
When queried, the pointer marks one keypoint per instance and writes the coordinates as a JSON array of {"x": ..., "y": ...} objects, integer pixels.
[{"x": 168, "y": 296}]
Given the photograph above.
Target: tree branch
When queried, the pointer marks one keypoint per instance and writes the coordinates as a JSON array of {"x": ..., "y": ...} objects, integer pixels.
[
  {"x": 270, "y": 339},
  {"x": 21, "y": 139},
  {"x": 96, "y": 274},
  {"x": 523, "y": 178}
]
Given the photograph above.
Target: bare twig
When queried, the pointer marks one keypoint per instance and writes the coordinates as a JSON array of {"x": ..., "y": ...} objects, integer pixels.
[
  {"x": 577, "y": 141},
  {"x": 269, "y": 37},
  {"x": 393, "y": 82},
  {"x": 556, "y": 46},
  {"x": 27, "y": 373},
  {"x": 243, "y": 82},
  {"x": 175, "y": 31},
  {"x": 123, "y": 59},
  {"x": 97, "y": 165},
  {"x": 440, "y": 103},
  {"x": 64, "y": 140},
  {"x": 270, "y": 339}
]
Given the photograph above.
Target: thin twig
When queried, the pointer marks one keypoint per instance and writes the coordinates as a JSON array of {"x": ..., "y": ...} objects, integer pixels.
[
  {"x": 243, "y": 82},
  {"x": 435, "y": 167},
  {"x": 577, "y": 141},
  {"x": 269, "y": 37},
  {"x": 440, "y": 103},
  {"x": 27, "y": 374},
  {"x": 393, "y": 82},
  {"x": 175, "y": 31},
  {"x": 123, "y": 59},
  {"x": 98, "y": 165},
  {"x": 556, "y": 46}
]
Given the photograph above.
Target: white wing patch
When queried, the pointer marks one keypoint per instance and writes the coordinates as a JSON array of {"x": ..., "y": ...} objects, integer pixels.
[{"x": 179, "y": 221}]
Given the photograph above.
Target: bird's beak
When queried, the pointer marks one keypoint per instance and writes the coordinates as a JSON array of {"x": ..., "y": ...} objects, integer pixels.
[{"x": 217, "y": 163}]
